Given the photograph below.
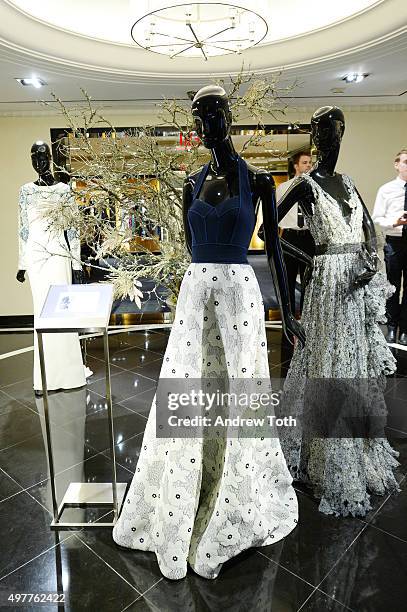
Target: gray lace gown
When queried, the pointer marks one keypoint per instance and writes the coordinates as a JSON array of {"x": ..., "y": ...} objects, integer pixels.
[{"x": 343, "y": 341}]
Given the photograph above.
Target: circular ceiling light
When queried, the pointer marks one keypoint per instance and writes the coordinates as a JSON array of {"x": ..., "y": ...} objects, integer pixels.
[
  {"x": 355, "y": 77},
  {"x": 112, "y": 21},
  {"x": 199, "y": 29}
]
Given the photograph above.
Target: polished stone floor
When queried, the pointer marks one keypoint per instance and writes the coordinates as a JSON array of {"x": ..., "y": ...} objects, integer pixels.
[{"x": 325, "y": 564}]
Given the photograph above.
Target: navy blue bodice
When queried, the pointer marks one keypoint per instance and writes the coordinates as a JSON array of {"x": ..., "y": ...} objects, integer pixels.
[{"x": 222, "y": 233}]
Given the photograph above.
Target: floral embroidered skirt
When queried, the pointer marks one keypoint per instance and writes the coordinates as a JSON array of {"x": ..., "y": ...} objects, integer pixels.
[
  {"x": 344, "y": 345},
  {"x": 202, "y": 501}
]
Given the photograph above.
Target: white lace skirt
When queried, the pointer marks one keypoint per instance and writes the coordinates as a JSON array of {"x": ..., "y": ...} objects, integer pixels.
[
  {"x": 343, "y": 342},
  {"x": 198, "y": 500}
]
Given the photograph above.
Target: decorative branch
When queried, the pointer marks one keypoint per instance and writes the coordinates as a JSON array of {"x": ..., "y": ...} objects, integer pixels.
[{"x": 128, "y": 187}]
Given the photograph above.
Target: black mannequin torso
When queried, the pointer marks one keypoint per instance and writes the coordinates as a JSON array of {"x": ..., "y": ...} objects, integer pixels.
[
  {"x": 213, "y": 121},
  {"x": 222, "y": 179},
  {"x": 302, "y": 193},
  {"x": 45, "y": 179},
  {"x": 220, "y": 185},
  {"x": 335, "y": 187},
  {"x": 328, "y": 126}
]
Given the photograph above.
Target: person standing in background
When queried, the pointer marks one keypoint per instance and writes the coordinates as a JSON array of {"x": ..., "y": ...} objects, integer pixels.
[
  {"x": 390, "y": 213},
  {"x": 294, "y": 230}
]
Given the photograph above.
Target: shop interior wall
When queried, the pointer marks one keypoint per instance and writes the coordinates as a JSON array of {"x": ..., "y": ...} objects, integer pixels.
[
  {"x": 371, "y": 140},
  {"x": 18, "y": 134}
]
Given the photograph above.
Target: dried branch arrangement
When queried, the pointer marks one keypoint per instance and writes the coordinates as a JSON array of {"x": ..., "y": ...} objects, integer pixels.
[{"x": 128, "y": 186}]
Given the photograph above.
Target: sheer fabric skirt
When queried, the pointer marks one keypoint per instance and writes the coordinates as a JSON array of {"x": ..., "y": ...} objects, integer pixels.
[{"x": 343, "y": 342}]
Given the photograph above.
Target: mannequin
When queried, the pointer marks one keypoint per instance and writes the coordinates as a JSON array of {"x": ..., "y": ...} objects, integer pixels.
[
  {"x": 213, "y": 121},
  {"x": 343, "y": 306},
  {"x": 185, "y": 492},
  {"x": 47, "y": 254},
  {"x": 41, "y": 160},
  {"x": 327, "y": 129}
]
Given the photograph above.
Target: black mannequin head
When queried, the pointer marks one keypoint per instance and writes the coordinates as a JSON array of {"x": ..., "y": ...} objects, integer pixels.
[
  {"x": 41, "y": 160},
  {"x": 327, "y": 128},
  {"x": 41, "y": 157},
  {"x": 212, "y": 115}
]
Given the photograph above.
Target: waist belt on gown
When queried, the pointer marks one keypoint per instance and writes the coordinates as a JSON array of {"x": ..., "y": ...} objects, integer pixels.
[{"x": 336, "y": 249}]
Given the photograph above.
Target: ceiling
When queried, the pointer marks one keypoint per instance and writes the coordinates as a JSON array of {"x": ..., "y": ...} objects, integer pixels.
[
  {"x": 112, "y": 21},
  {"x": 89, "y": 47}
]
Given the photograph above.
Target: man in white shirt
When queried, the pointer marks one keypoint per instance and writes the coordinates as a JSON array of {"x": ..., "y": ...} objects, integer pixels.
[
  {"x": 390, "y": 212},
  {"x": 294, "y": 230}
]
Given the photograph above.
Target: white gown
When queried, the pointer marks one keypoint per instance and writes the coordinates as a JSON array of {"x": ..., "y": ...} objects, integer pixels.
[
  {"x": 44, "y": 253},
  {"x": 203, "y": 501},
  {"x": 200, "y": 500},
  {"x": 346, "y": 346}
]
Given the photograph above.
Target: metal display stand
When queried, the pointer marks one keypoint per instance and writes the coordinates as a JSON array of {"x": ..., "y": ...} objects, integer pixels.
[{"x": 79, "y": 494}]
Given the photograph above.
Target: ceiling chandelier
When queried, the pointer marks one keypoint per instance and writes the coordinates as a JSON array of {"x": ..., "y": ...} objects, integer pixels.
[{"x": 197, "y": 29}]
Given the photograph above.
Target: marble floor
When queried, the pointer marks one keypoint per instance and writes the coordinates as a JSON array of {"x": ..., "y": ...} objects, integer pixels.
[{"x": 325, "y": 564}]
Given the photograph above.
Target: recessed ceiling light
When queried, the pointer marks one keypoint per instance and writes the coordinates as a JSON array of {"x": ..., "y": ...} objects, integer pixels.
[
  {"x": 355, "y": 77},
  {"x": 32, "y": 82}
]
